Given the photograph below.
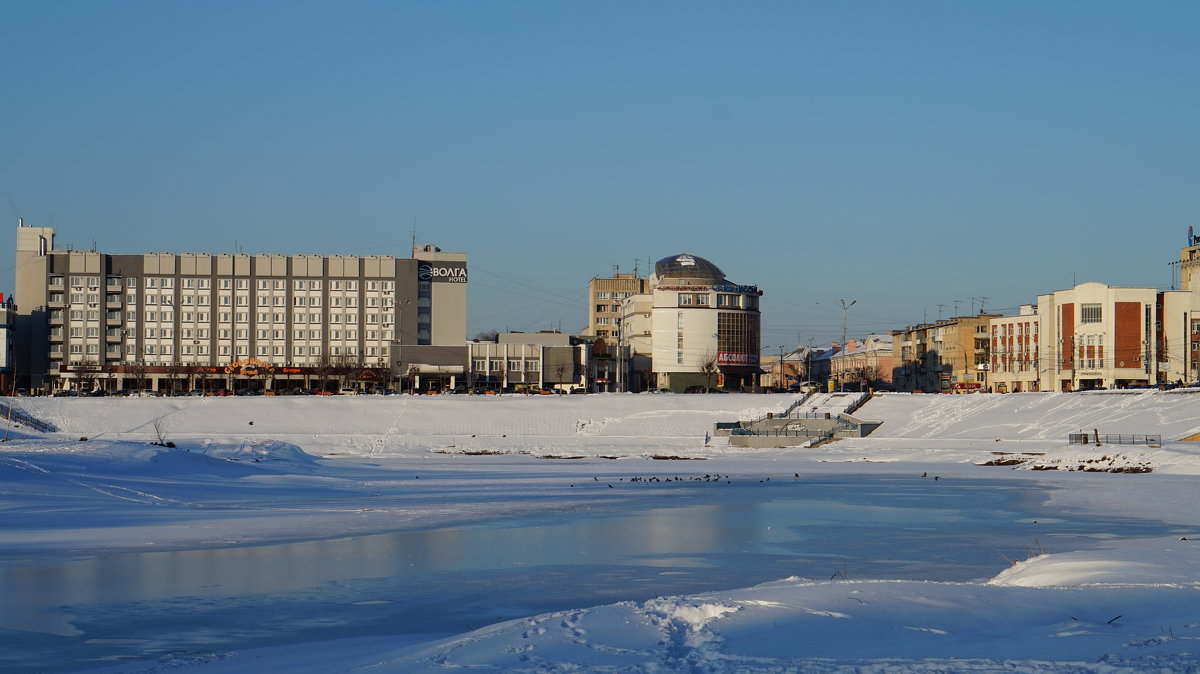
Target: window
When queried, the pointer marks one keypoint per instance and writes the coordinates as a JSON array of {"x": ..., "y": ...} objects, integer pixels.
[
  {"x": 685, "y": 300},
  {"x": 1089, "y": 313},
  {"x": 601, "y": 294},
  {"x": 601, "y": 308}
]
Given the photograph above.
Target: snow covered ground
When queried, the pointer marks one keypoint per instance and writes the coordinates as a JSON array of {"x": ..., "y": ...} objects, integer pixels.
[{"x": 249, "y": 471}]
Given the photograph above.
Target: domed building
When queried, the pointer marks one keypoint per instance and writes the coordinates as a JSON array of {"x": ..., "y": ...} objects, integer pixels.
[{"x": 704, "y": 330}]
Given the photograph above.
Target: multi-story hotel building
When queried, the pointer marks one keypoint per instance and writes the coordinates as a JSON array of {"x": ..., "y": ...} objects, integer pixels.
[{"x": 232, "y": 320}]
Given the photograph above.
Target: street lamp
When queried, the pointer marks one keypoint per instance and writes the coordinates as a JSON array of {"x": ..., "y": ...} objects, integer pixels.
[{"x": 845, "y": 322}]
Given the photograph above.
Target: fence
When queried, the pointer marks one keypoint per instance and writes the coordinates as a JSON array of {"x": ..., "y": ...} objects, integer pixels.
[
  {"x": 1113, "y": 439},
  {"x": 10, "y": 411}
]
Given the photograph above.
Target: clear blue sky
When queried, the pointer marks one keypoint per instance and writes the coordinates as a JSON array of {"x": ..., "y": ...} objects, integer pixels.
[{"x": 902, "y": 154}]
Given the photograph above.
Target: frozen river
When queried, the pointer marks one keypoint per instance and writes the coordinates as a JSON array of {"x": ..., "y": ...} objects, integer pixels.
[{"x": 59, "y": 615}]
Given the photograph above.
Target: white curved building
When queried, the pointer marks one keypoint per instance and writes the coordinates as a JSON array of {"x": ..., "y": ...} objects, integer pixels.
[{"x": 704, "y": 329}]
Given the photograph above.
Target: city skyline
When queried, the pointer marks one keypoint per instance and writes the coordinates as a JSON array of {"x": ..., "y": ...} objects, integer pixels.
[{"x": 905, "y": 156}]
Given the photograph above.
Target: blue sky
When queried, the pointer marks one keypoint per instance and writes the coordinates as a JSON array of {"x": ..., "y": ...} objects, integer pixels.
[{"x": 902, "y": 154}]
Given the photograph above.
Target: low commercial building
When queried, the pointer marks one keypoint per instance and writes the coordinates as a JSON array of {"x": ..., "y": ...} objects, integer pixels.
[{"x": 517, "y": 359}]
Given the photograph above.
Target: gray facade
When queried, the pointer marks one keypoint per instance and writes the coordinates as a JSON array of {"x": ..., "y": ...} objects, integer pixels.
[{"x": 93, "y": 320}]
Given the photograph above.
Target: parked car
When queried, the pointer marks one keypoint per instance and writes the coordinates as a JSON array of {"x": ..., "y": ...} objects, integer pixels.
[
  {"x": 348, "y": 391},
  {"x": 660, "y": 390},
  {"x": 66, "y": 393},
  {"x": 98, "y": 393},
  {"x": 21, "y": 392},
  {"x": 579, "y": 390},
  {"x": 147, "y": 393},
  {"x": 249, "y": 392},
  {"x": 195, "y": 393}
]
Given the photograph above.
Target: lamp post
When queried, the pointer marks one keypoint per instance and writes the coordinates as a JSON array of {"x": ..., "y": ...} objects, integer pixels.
[{"x": 845, "y": 323}]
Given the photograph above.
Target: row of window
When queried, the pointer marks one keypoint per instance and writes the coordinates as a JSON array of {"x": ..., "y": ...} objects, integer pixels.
[
  {"x": 495, "y": 365},
  {"x": 223, "y": 283},
  {"x": 724, "y": 300},
  {"x": 116, "y": 351}
]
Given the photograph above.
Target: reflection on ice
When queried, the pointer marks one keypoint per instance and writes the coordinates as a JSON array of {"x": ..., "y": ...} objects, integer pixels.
[{"x": 422, "y": 584}]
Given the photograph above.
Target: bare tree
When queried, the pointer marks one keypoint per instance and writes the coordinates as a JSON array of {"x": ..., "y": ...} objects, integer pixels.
[
  {"x": 86, "y": 374},
  {"x": 323, "y": 371},
  {"x": 867, "y": 375},
  {"x": 488, "y": 336},
  {"x": 160, "y": 433},
  {"x": 709, "y": 368},
  {"x": 139, "y": 372},
  {"x": 174, "y": 370}
]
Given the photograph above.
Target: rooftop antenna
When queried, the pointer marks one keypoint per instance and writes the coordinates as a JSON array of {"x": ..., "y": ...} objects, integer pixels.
[
  {"x": 983, "y": 301},
  {"x": 973, "y": 304},
  {"x": 956, "y": 306},
  {"x": 414, "y": 232},
  {"x": 636, "y": 271},
  {"x": 940, "y": 312},
  {"x": 616, "y": 269}
]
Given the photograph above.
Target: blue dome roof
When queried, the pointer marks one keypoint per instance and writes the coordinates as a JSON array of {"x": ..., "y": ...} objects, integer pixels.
[{"x": 688, "y": 266}]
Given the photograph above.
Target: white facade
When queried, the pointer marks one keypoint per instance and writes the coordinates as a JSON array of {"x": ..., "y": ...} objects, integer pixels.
[
  {"x": 1098, "y": 336},
  {"x": 704, "y": 330}
]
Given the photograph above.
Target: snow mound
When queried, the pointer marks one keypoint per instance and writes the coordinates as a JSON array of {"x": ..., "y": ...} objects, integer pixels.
[{"x": 259, "y": 451}]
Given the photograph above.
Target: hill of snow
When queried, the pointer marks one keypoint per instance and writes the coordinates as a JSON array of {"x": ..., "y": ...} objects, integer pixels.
[{"x": 248, "y": 470}]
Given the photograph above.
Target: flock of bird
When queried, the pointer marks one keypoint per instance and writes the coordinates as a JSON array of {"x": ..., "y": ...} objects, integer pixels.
[{"x": 709, "y": 477}]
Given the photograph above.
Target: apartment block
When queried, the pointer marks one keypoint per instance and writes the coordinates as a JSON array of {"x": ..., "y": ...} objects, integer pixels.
[
  {"x": 950, "y": 356},
  {"x": 605, "y": 295}
]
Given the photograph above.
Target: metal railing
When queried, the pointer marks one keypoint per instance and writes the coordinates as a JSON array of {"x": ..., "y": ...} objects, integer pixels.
[
  {"x": 10, "y": 411},
  {"x": 781, "y": 433},
  {"x": 1113, "y": 439}
]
